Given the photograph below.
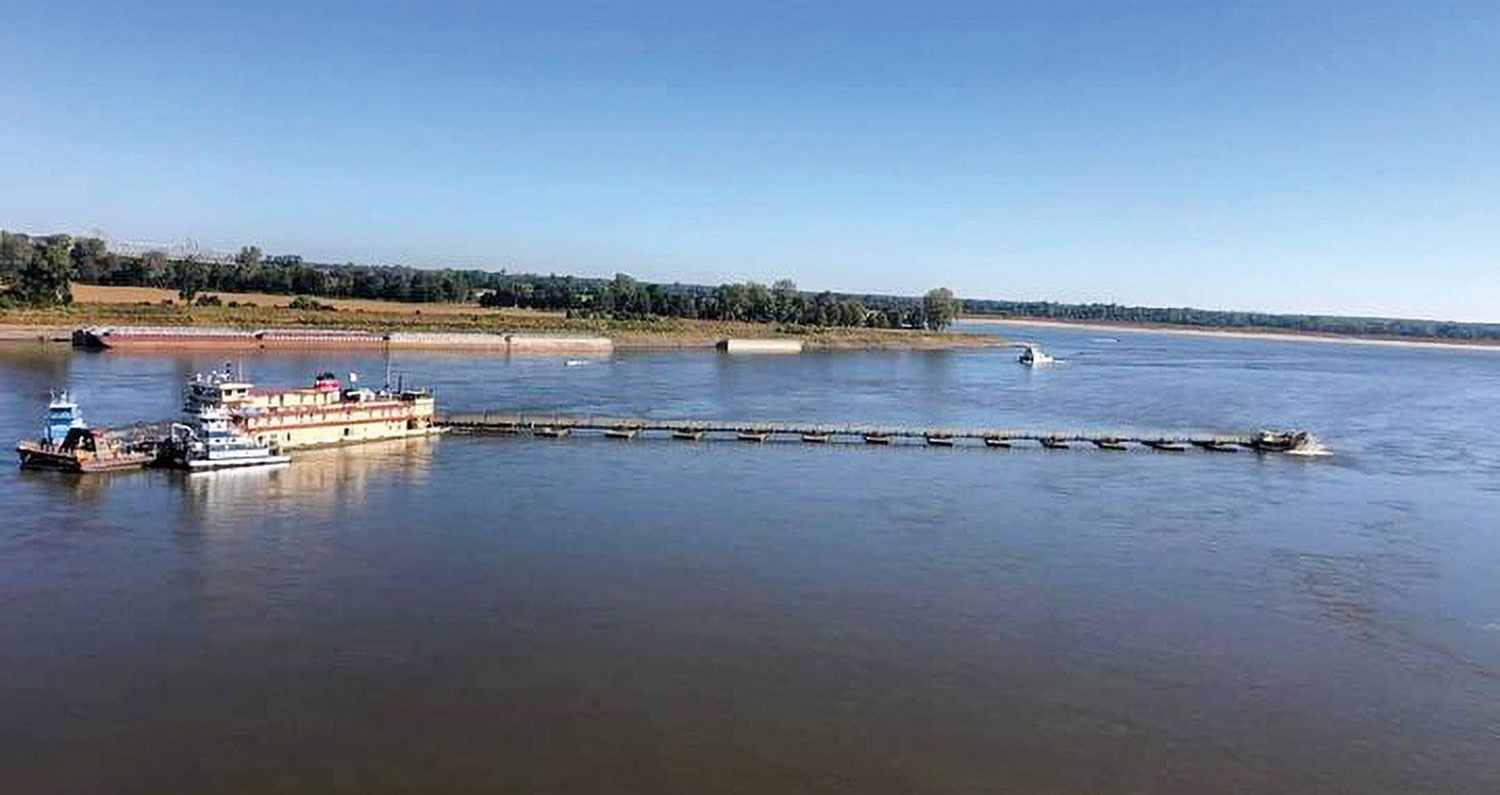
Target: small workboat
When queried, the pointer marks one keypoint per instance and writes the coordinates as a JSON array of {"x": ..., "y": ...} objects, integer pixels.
[
  {"x": 1033, "y": 355},
  {"x": 68, "y": 444},
  {"x": 1296, "y": 442}
]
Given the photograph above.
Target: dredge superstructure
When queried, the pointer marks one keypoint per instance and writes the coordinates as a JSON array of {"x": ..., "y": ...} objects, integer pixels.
[{"x": 328, "y": 413}]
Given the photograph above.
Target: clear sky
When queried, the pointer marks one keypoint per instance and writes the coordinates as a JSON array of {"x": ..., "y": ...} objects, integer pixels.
[{"x": 1319, "y": 155}]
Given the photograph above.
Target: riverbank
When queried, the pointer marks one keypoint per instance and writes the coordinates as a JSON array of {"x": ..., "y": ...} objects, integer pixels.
[
  {"x": 57, "y": 325},
  {"x": 1247, "y": 333}
]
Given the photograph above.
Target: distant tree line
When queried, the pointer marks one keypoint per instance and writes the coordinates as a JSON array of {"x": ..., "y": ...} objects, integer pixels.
[
  {"x": 1209, "y": 319},
  {"x": 252, "y": 271},
  {"x": 37, "y": 270},
  {"x": 626, "y": 298}
]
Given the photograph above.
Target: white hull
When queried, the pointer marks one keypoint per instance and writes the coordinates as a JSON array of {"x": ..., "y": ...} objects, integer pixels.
[
  {"x": 1033, "y": 356},
  {"x": 210, "y": 464}
]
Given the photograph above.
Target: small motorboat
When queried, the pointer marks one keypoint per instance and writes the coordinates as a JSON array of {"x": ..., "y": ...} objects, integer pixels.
[
  {"x": 550, "y": 432},
  {"x": 68, "y": 444},
  {"x": 1054, "y": 443},
  {"x": 1033, "y": 355},
  {"x": 816, "y": 438},
  {"x": 877, "y": 438},
  {"x": 687, "y": 434},
  {"x": 1110, "y": 444},
  {"x": 622, "y": 432},
  {"x": 997, "y": 441},
  {"x": 753, "y": 436},
  {"x": 940, "y": 441}
]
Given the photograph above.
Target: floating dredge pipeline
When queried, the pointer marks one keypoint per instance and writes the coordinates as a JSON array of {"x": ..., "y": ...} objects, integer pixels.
[{"x": 1291, "y": 442}]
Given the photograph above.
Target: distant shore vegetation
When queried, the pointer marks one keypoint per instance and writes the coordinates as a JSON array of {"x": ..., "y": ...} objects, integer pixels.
[
  {"x": 36, "y": 271},
  {"x": 1209, "y": 319}
]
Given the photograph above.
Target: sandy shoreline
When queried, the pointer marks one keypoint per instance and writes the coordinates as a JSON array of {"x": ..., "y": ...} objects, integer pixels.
[
  {"x": 9, "y": 333},
  {"x": 621, "y": 340},
  {"x": 1334, "y": 339}
]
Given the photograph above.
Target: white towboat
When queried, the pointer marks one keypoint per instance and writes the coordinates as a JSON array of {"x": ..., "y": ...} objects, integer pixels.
[
  {"x": 209, "y": 440},
  {"x": 1032, "y": 355}
]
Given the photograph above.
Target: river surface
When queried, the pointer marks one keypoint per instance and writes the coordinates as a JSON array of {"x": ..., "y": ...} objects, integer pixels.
[{"x": 652, "y": 616}]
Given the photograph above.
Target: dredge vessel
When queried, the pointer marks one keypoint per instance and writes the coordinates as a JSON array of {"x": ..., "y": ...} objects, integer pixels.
[{"x": 328, "y": 413}]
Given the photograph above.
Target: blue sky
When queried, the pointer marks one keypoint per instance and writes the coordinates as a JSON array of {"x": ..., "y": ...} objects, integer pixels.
[{"x": 1322, "y": 156}]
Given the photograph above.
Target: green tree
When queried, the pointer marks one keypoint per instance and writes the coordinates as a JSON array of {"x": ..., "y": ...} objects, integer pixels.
[
  {"x": 190, "y": 276},
  {"x": 761, "y": 306},
  {"x": 788, "y": 309},
  {"x": 15, "y": 256},
  {"x": 154, "y": 268},
  {"x": 45, "y": 279},
  {"x": 939, "y": 309},
  {"x": 88, "y": 255},
  {"x": 249, "y": 257}
]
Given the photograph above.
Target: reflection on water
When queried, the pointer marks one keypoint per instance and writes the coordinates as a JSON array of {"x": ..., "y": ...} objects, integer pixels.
[
  {"x": 71, "y": 486},
  {"x": 35, "y": 364},
  {"x": 317, "y": 482}
]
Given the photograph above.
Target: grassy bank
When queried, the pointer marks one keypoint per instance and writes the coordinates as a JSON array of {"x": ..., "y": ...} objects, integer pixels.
[{"x": 655, "y": 333}]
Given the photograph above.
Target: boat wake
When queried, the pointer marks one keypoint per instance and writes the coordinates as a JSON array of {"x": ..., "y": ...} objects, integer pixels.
[{"x": 1311, "y": 446}]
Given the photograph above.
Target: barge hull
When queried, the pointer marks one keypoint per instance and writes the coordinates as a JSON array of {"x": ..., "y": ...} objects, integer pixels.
[{"x": 34, "y": 457}]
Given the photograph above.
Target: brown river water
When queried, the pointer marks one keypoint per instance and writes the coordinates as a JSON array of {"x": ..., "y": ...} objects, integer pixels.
[{"x": 473, "y": 614}]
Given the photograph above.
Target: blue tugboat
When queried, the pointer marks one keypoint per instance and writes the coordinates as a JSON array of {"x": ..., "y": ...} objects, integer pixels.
[{"x": 68, "y": 444}]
